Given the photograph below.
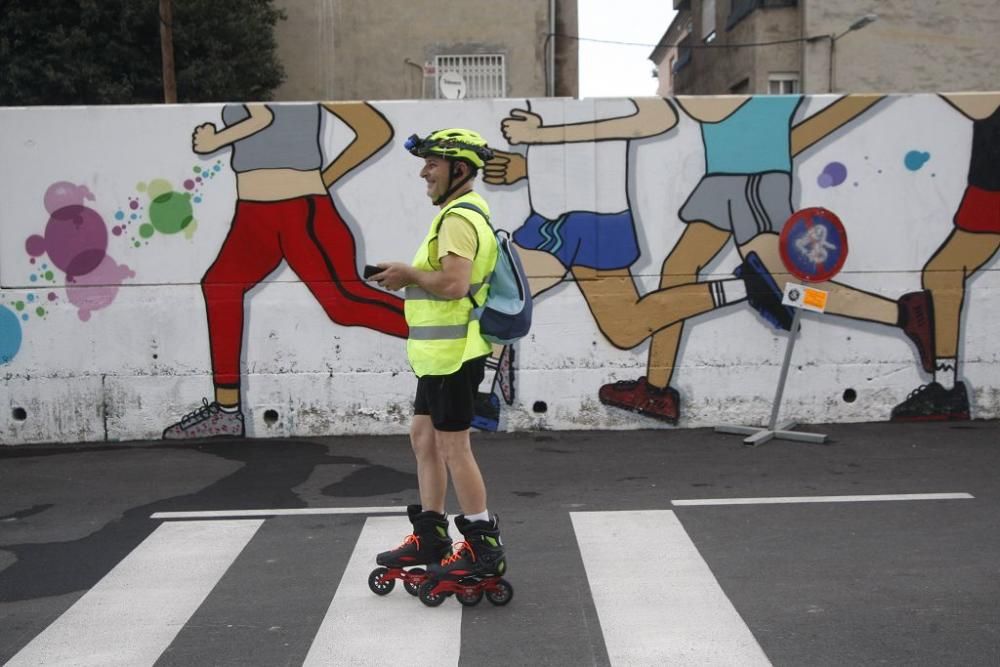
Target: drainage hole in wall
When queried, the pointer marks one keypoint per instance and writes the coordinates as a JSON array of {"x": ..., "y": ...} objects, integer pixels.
[
  {"x": 156, "y": 356},
  {"x": 850, "y": 395},
  {"x": 540, "y": 407},
  {"x": 19, "y": 414},
  {"x": 270, "y": 416}
]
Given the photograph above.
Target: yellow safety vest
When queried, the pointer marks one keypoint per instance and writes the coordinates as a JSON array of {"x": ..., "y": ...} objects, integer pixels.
[{"x": 443, "y": 332}]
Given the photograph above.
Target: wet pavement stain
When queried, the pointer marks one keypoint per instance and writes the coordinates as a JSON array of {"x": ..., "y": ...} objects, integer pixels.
[
  {"x": 261, "y": 482},
  {"x": 371, "y": 480}
]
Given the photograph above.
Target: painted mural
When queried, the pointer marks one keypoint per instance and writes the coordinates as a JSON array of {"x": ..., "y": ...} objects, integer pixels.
[{"x": 193, "y": 271}]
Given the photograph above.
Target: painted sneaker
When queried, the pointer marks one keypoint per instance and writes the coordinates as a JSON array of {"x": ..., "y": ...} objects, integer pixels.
[
  {"x": 763, "y": 292},
  {"x": 640, "y": 396},
  {"x": 916, "y": 319},
  {"x": 208, "y": 421},
  {"x": 486, "y": 412},
  {"x": 932, "y": 402}
]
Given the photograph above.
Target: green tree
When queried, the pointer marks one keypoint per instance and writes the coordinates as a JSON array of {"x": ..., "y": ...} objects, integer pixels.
[{"x": 108, "y": 51}]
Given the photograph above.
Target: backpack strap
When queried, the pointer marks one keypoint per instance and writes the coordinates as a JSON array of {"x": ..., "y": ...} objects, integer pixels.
[
  {"x": 471, "y": 207},
  {"x": 468, "y": 206}
]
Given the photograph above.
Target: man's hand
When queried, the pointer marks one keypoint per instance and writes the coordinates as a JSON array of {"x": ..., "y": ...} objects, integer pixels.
[
  {"x": 522, "y": 127},
  {"x": 394, "y": 275},
  {"x": 205, "y": 139},
  {"x": 505, "y": 168}
]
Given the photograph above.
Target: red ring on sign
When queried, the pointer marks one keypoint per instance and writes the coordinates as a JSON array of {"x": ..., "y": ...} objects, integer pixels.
[{"x": 831, "y": 245}]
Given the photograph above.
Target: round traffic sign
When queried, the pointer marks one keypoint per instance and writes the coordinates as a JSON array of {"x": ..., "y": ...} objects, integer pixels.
[{"x": 813, "y": 244}]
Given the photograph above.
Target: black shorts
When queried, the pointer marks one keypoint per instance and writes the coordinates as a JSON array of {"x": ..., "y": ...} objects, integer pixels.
[{"x": 450, "y": 399}]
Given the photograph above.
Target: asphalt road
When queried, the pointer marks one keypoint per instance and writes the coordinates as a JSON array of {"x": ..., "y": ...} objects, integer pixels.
[{"x": 644, "y": 547}]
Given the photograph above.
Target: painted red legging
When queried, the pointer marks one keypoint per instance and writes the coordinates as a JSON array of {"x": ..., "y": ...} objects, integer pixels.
[{"x": 310, "y": 235}]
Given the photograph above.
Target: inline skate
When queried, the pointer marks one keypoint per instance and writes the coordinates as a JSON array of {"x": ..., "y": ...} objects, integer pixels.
[
  {"x": 428, "y": 544},
  {"x": 474, "y": 568}
]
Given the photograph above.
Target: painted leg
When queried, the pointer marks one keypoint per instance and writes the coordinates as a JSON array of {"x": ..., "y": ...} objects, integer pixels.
[
  {"x": 250, "y": 252},
  {"x": 944, "y": 277},
  {"x": 652, "y": 395}
]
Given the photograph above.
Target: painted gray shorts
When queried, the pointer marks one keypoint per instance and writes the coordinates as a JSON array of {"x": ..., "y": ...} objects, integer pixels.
[{"x": 744, "y": 204}]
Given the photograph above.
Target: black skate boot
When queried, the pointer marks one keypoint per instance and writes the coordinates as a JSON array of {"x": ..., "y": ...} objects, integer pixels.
[
  {"x": 475, "y": 567},
  {"x": 428, "y": 543}
]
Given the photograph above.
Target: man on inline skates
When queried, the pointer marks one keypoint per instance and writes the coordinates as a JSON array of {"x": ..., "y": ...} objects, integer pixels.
[{"x": 448, "y": 356}]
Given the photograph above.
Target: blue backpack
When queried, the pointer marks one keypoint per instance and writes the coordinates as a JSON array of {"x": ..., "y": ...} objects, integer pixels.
[{"x": 505, "y": 316}]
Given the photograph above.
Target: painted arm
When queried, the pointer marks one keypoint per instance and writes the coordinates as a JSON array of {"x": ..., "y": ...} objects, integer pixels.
[
  {"x": 207, "y": 139},
  {"x": 505, "y": 168},
  {"x": 818, "y": 126},
  {"x": 371, "y": 132},
  {"x": 653, "y": 116}
]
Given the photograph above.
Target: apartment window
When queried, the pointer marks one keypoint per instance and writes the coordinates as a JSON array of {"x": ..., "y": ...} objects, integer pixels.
[
  {"x": 783, "y": 83},
  {"x": 708, "y": 21},
  {"x": 740, "y": 9},
  {"x": 480, "y": 75}
]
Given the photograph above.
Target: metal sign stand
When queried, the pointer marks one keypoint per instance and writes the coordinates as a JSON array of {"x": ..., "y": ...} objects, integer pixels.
[
  {"x": 760, "y": 435},
  {"x": 813, "y": 247}
]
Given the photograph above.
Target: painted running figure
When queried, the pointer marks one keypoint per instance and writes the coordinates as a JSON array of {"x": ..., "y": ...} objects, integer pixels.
[{"x": 284, "y": 212}]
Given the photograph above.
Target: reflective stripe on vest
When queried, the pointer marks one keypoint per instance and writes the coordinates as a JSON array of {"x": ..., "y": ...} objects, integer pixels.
[
  {"x": 415, "y": 293},
  {"x": 443, "y": 332}
]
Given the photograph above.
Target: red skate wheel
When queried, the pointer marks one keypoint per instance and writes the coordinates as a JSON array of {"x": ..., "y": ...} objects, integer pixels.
[
  {"x": 500, "y": 593},
  {"x": 378, "y": 583}
]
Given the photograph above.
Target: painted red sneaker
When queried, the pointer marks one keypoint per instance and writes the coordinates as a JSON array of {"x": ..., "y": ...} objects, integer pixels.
[
  {"x": 640, "y": 396},
  {"x": 916, "y": 319}
]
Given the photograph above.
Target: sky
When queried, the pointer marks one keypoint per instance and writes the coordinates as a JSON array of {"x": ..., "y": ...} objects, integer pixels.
[{"x": 616, "y": 70}]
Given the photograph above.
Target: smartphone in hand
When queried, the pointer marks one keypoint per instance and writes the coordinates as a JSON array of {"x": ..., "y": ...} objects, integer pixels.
[{"x": 371, "y": 270}]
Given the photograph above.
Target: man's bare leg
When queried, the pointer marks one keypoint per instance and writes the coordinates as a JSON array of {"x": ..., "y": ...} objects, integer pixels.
[
  {"x": 432, "y": 473},
  {"x": 455, "y": 448}
]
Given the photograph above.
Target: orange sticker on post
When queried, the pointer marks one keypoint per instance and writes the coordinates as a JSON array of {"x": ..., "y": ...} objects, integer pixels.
[
  {"x": 814, "y": 299},
  {"x": 800, "y": 296}
]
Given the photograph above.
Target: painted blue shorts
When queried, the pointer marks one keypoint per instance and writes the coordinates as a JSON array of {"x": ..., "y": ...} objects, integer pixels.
[{"x": 602, "y": 241}]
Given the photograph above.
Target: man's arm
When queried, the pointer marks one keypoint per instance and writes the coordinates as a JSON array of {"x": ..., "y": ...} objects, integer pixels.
[
  {"x": 371, "y": 132},
  {"x": 457, "y": 246},
  {"x": 653, "y": 116},
  {"x": 450, "y": 282}
]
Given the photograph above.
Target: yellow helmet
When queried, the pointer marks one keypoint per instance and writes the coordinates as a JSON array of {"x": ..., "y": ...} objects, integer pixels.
[{"x": 454, "y": 144}]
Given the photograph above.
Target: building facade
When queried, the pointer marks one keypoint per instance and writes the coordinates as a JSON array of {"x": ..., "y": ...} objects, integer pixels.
[
  {"x": 426, "y": 49},
  {"x": 820, "y": 46}
]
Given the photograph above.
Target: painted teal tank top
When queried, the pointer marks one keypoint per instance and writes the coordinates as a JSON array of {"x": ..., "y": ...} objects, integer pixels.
[{"x": 753, "y": 139}]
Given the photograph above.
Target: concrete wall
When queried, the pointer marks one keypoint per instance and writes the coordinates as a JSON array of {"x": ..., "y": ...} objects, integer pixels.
[
  {"x": 353, "y": 50},
  {"x": 913, "y": 47},
  {"x": 111, "y": 221}
]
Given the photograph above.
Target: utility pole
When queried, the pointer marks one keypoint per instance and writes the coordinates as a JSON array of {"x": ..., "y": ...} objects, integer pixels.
[{"x": 167, "y": 51}]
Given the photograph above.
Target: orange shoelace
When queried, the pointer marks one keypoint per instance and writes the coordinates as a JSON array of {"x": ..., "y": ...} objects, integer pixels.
[
  {"x": 410, "y": 538},
  {"x": 457, "y": 554}
]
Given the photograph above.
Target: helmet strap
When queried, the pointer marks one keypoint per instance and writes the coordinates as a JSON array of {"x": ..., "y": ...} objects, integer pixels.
[{"x": 452, "y": 186}]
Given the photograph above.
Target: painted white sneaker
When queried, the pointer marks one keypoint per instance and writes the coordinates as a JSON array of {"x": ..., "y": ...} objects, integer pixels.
[{"x": 208, "y": 421}]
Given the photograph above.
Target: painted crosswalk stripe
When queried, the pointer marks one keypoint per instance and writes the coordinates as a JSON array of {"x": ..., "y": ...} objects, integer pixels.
[
  {"x": 361, "y": 628},
  {"x": 791, "y": 500},
  {"x": 133, "y": 613},
  {"x": 656, "y": 598},
  {"x": 301, "y": 511}
]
